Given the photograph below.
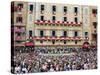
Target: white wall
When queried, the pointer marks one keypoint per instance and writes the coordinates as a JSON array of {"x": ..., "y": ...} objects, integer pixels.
[
  {"x": 59, "y": 12},
  {"x": 30, "y": 25}
]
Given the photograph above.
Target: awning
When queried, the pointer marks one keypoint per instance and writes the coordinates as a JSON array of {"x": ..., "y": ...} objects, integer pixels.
[
  {"x": 86, "y": 45},
  {"x": 29, "y": 44}
]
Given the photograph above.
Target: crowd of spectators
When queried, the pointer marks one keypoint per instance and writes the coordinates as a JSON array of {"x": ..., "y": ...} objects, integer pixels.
[{"x": 38, "y": 61}]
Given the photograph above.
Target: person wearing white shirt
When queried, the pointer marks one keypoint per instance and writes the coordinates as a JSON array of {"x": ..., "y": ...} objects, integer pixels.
[
  {"x": 24, "y": 70},
  {"x": 17, "y": 69}
]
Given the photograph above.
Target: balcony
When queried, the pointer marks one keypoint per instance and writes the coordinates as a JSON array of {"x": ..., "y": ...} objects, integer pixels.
[
  {"x": 56, "y": 38},
  {"x": 17, "y": 9},
  {"x": 45, "y": 22},
  {"x": 20, "y": 38},
  {"x": 22, "y": 30},
  {"x": 19, "y": 44}
]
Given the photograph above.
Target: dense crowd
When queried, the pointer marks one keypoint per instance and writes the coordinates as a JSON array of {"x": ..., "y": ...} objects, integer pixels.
[
  {"x": 35, "y": 62},
  {"x": 46, "y": 49}
]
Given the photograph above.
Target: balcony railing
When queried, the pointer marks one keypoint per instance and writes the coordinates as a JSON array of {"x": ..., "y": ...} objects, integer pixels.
[
  {"x": 56, "y": 38},
  {"x": 45, "y": 22},
  {"x": 17, "y": 9},
  {"x": 19, "y": 30},
  {"x": 19, "y": 38}
]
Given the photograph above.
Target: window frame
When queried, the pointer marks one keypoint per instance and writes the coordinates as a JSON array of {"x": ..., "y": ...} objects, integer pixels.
[
  {"x": 76, "y": 10},
  {"x": 54, "y": 8},
  {"x": 20, "y": 4},
  {"x": 42, "y": 18},
  {"x": 41, "y": 32},
  {"x": 65, "y": 9},
  {"x": 42, "y": 7},
  {"x": 64, "y": 19},
  {"x": 64, "y": 41},
  {"x": 53, "y": 33},
  {"x": 30, "y": 33},
  {"x": 41, "y": 41},
  {"x": 31, "y": 7},
  {"x": 76, "y": 19},
  {"x": 86, "y": 34},
  {"x": 53, "y": 18},
  {"x": 65, "y": 33},
  {"x": 95, "y": 24},
  {"x": 53, "y": 41},
  {"x": 75, "y": 33},
  {"x": 94, "y": 11},
  {"x": 76, "y": 41},
  {"x": 19, "y": 19}
]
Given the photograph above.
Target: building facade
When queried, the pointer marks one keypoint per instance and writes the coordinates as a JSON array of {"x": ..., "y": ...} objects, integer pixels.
[
  {"x": 53, "y": 25},
  {"x": 19, "y": 22}
]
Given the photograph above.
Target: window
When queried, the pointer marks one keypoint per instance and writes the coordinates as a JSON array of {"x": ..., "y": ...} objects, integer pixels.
[
  {"x": 95, "y": 24},
  {"x": 75, "y": 19},
  {"x": 75, "y": 34},
  {"x": 19, "y": 27},
  {"x": 53, "y": 8},
  {"x": 20, "y": 5},
  {"x": 65, "y": 33},
  {"x": 31, "y": 7},
  {"x": 65, "y": 18},
  {"x": 64, "y": 41},
  {"x": 75, "y": 10},
  {"x": 41, "y": 33},
  {"x": 94, "y": 37},
  {"x": 75, "y": 42},
  {"x": 65, "y": 9},
  {"x": 94, "y": 11},
  {"x": 30, "y": 33},
  {"x": 18, "y": 34},
  {"x": 53, "y": 41},
  {"x": 41, "y": 41},
  {"x": 53, "y": 33},
  {"x": 19, "y": 19},
  {"x": 53, "y": 18},
  {"x": 42, "y": 18},
  {"x": 86, "y": 34},
  {"x": 42, "y": 7},
  {"x": 95, "y": 31}
]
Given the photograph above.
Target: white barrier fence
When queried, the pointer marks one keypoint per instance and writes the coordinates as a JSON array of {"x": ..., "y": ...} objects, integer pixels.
[{"x": 68, "y": 54}]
